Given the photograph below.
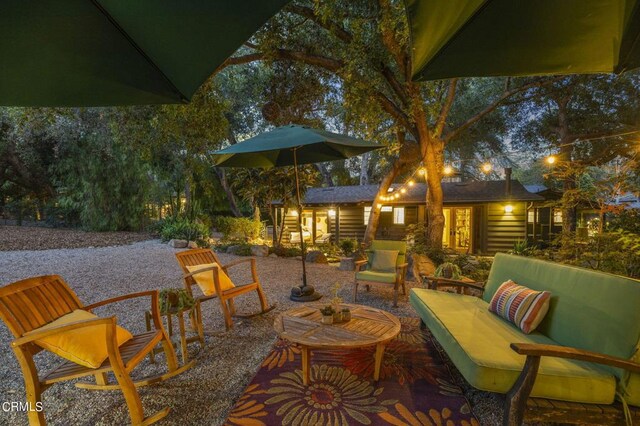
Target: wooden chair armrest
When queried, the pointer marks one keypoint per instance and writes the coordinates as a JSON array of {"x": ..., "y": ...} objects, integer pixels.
[
  {"x": 238, "y": 262},
  {"x": 403, "y": 266},
  {"x": 66, "y": 327},
  {"x": 151, "y": 293},
  {"x": 539, "y": 350},
  {"x": 197, "y": 271},
  {"x": 359, "y": 264},
  {"x": 448, "y": 282}
]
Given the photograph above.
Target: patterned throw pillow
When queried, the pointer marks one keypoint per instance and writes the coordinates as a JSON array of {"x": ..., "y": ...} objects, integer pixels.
[{"x": 520, "y": 305}]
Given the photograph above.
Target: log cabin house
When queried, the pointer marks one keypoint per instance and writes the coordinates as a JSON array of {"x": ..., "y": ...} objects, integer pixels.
[{"x": 481, "y": 217}]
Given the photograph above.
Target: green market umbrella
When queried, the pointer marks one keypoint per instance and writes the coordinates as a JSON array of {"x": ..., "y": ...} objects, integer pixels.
[
  {"x": 477, "y": 38},
  {"x": 291, "y": 146},
  {"x": 118, "y": 52}
]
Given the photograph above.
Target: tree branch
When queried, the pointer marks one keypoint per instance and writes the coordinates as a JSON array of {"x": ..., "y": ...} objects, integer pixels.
[
  {"x": 331, "y": 26},
  {"x": 395, "y": 112},
  {"x": 324, "y": 62},
  {"x": 490, "y": 108},
  {"x": 395, "y": 85},
  {"x": 446, "y": 107}
]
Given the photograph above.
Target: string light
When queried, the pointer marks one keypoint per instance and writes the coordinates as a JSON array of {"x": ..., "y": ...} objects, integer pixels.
[
  {"x": 448, "y": 170},
  {"x": 422, "y": 171},
  {"x": 551, "y": 159},
  {"x": 411, "y": 182},
  {"x": 403, "y": 190},
  {"x": 487, "y": 167}
]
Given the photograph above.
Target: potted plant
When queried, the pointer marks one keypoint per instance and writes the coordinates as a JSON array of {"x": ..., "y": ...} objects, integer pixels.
[
  {"x": 174, "y": 300},
  {"x": 448, "y": 270},
  {"x": 327, "y": 314},
  {"x": 346, "y": 314}
]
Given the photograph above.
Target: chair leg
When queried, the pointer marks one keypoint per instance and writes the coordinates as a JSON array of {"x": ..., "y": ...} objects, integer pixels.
[
  {"x": 404, "y": 288},
  {"x": 170, "y": 353},
  {"x": 128, "y": 388},
  {"x": 228, "y": 323},
  {"x": 263, "y": 299},
  {"x": 395, "y": 295},
  {"x": 355, "y": 291},
  {"x": 232, "y": 307},
  {"x": 32, "y": 386}
]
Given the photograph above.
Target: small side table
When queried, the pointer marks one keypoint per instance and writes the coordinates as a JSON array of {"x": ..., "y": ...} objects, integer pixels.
[{"x": 196, "y": 320}]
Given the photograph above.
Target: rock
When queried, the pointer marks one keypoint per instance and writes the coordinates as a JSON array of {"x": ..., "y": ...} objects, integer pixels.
[
  {"x": 316, "y": 256},
  {"x": 233, "y": 249},
  {"x": 178, "y": 243},
  {"x": 192, "y": 245},
  {"x": 273, "y": 255},
  {"x": 260, "y": 250},
  {"x": 347, "y": 264}
]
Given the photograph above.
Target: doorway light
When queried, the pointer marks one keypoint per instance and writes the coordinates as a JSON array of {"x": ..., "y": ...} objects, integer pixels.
[
  {"x": 508, "y": 208},
  {"x": 331, "y": 213}
]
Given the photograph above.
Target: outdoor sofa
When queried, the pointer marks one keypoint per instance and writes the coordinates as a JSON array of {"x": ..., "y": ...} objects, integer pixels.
[{"x": 592, "y": 317}]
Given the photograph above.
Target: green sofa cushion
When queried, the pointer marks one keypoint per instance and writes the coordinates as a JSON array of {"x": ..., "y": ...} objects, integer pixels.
[
  {"x": 384, "y": 260},
  {"x": 589, "y": 309},
  {"x": 380, "y": 277},
  {"x": 477, "y": 341}
]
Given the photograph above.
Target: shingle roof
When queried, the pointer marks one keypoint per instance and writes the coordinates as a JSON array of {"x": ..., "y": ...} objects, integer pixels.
[{"x": 454, "y": 192}]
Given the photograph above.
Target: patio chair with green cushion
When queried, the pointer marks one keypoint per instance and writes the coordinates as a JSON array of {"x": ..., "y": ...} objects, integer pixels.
[{"x": 386, "y": 265}]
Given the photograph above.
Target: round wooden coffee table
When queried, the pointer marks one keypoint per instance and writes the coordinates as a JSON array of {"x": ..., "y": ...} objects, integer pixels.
[{"x": 368, "y": 327}]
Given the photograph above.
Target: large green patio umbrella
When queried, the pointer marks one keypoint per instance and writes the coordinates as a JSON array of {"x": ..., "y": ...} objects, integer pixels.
[
  {"x": 476, "y": 38},
  {"x": 291, "y": 146},
  {"x": 118, "y": 52}
]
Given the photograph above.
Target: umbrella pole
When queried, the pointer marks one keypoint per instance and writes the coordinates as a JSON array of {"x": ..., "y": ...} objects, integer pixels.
[{"x": 304, "y": 293}]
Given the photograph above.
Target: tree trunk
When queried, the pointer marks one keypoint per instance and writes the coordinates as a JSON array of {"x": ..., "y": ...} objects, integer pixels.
[
  {"x": 233, "y": 205},
  {"x": 364, "y": 168},
  {"x": 433, "y": 162},
  {"x": 409, "y": 153},
  {"x": 326, "y": 176},
  {"x": 256, "y": 213}
]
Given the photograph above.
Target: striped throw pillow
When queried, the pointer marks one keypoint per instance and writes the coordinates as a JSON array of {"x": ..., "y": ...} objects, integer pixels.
[{"x": 520, "y": 305}]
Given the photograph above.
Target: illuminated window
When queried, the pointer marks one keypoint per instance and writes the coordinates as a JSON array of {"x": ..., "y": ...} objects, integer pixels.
[
  {"x": 557, "y": 216},
  {"x": 398, "y": 216},
  {"x": 367, "y": 213},
  {"x": 386, "y": 209},
  {"x": 531, "y": 216}
]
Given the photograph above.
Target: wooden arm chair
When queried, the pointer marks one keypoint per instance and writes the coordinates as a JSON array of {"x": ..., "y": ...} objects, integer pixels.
[
  {"x": 365, "y": 274},
  {"x": 30, "y": 304},
  {"x": 195, "y": 257}
]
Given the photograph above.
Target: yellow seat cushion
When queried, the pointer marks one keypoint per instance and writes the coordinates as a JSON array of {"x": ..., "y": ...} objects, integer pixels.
[
  {"x": 477, "y": 342},
  {"x": 205, "y": 279},
  {"x": 85, "y": 346}
]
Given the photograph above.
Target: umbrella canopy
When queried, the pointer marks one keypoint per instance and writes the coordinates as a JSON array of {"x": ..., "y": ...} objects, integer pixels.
[
  {"x": 118, "y": 52},
  {"x": 476, "y": 38},
  {"x": 276, "y": 148}
]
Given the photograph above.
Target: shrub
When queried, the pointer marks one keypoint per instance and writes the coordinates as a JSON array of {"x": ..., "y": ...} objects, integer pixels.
[
  {"x": 348, "y": 246},
  {"x": 419, "y": 243},
  {"x": 238, "y": 228},
  {"x": 284, "y": 251},
  {"x": 183, "y": 229}
]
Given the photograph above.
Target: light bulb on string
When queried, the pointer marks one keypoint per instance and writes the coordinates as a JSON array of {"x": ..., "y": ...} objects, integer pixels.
[
  {"x": 486, "y": 167},
  {"x": 422, "y": 171},
  {"x": 403, "y": 190},
  {"x": 397, "y": 196},
  {"x": 448, "y": 170},
  {"x": 411, "y": 182},
  {"x": 551, "y": 159}
]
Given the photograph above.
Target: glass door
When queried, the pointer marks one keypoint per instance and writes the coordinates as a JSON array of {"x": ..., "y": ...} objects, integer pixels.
[
  {"x": 446, "y": 234},
  {"x": 462, "y": 230}
]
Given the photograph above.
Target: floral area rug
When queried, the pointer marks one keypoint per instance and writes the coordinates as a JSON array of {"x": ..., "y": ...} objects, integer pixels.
[{"x": 414, "y": 389}]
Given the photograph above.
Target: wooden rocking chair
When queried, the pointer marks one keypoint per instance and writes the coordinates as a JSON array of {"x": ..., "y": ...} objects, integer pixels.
[
  {"x": 32, "y": 303},
  {"x": 195, "y": 257}
]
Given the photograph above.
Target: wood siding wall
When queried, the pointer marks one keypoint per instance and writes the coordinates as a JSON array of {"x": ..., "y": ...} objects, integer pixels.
[{"x": 504, "y": 229}]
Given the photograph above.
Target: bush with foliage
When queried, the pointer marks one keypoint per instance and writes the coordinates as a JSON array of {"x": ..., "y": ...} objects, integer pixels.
[
  {"x": 625, "y": 220},
  {"x": 522, "y": 248},
  {"x": 419, "y": 243},
  {"x": 182, "y": 228},
  {"x": 238, "y": 228},
  {"x": 348, "y": 246},
  {"x": 284, "y": 251}
]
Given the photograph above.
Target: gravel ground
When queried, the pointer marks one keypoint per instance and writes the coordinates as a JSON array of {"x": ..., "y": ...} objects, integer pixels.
[
  {"x": 41, "y": 238},
  {"x": 204, "y": 394}
]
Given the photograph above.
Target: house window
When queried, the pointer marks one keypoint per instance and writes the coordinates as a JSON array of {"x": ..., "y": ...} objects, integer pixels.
[
  {"x": 398, "y": 216},
  {"x": 531, "y": 216},
  {"x": 367, "y": 213},
  {"x": 386, "y": 209},
  {"x": 557, "y": 216}
]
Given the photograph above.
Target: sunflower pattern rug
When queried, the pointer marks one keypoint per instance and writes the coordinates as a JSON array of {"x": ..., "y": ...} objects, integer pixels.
[{"x": 414, "y": 389}]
